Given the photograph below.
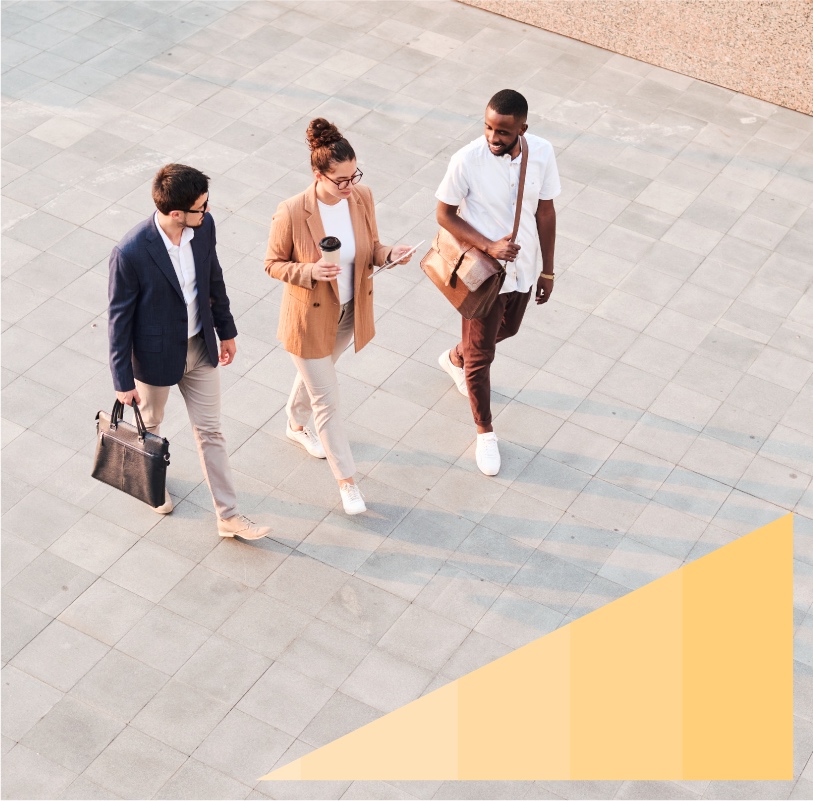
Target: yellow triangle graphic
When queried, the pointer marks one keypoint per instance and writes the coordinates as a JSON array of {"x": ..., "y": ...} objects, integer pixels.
[{"x": 689, "y": 677}]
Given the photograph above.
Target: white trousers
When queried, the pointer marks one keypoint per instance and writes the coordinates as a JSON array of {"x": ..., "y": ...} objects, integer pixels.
[{"x": 316, "y": 390}]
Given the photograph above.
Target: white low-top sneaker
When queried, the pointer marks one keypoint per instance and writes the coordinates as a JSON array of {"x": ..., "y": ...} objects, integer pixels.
[
  {"x": 308, "y": 440},
  {"x": 457, "y": 374},
  {"x": 352, "y": 499},
  {"x": 488, "y": 454}
]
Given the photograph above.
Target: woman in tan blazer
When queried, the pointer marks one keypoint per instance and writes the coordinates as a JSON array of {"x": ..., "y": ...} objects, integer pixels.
[{"x": 325, "y": 305}]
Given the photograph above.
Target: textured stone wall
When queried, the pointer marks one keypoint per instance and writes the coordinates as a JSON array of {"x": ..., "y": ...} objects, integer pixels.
[{"x": 761, "y": 48}]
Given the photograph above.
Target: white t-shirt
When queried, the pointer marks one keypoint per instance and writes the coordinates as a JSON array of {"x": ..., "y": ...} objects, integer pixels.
[
  {"x": 183, "y": 261},
  {"x": 484, "y": 187},
  {"x": 336, "y": 222}
]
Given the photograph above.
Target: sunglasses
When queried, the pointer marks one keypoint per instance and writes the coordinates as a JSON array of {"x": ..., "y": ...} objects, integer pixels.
[{"x": 197, "y": 211}]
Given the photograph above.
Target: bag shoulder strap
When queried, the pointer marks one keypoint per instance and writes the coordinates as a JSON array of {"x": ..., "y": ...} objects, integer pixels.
[{"x": 523, "y": 168}]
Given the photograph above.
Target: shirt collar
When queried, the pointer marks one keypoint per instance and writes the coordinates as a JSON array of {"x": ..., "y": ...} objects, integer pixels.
[
  {"x": 505, "y": 156},
  {"x": 186, "y": 237}
]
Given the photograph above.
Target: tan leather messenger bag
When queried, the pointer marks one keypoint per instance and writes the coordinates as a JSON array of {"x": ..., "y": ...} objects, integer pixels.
[{"x": 470, "y": 279}]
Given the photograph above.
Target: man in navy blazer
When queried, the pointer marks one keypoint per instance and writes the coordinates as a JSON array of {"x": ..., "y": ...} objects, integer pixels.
[{"x": 167, "y": 302}]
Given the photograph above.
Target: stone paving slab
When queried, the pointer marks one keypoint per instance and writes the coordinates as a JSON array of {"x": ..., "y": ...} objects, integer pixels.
[{"x": 658, "y": 407}]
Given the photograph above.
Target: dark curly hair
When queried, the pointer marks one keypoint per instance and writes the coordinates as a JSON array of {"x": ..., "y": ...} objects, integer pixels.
[{"x": 327, "y": 145}]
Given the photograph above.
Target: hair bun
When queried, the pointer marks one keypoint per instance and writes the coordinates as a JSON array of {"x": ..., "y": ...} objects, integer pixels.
[{"x": 322, "y": 133}]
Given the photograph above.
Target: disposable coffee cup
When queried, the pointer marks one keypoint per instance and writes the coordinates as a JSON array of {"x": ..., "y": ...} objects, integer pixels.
[{"x": 330, "y": 247}]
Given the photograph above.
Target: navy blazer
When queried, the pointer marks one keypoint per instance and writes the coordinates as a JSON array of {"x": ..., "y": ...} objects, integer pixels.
[{"x": 147, "y": 319}]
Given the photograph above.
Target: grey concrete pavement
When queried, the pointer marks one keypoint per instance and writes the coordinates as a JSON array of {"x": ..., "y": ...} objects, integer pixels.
[{"x": 658, "y": 407}]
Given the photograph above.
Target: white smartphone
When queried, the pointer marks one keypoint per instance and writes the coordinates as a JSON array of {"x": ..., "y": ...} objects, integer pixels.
[{"x": 388, "y": 264}]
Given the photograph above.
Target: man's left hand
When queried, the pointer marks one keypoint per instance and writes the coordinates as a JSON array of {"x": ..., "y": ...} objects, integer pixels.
[
  {"x": 544, "y": 288},
  {"x": 227, "y": 350}
]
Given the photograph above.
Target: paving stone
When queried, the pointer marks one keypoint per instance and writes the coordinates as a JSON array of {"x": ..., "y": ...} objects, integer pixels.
[
  {"x": 17, "y": 554},
  {"x": 363, "y": 610},
  {"x": 196, "y": 780},
  {"x": 514, "y": 620},
  {"x": 633, "y": 564},
  {"x": 475, "y": 651},
  {"x": 264, "y": 625},
  {"x": 25, "y": 700},
  {"x": 400, "y": 569},
  {"x": 222, "y": 669},
  {"x": 134, "y": 765},
  {"x": 205, "y": 597},
  {"x": 29, "y": 774},
  {"x": 78, "y": 654},
  {"x": 72, "y": 734},
  {"x": 119, "y": 685},
  {"x": 491, "y": 556},
  {"x": 180, "y": 716},
  {"x": 285, "y": 699},
  {"x": 93, "y": 543},
  {"x": 148, "y": 570},
  {"x": 21, "y": 623},
  {"x": 49, "y": 583},
  {"x": 773, "y": 482},
  {"x": 105, "y": 611},
  {"x": 423, "y": 638},
  {"x": 40, "y": 518},
  {"x": 225, "y": 748},
  {"x": 163, "y": 640},
  {"x": 83, "y": 789},
  {"x": 386, "y": 682}
]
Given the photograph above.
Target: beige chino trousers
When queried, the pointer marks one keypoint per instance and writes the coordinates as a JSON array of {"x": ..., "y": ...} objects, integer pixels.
[
  {"x": 200, "y": 388},
  {"x": 316, "y": 390}
]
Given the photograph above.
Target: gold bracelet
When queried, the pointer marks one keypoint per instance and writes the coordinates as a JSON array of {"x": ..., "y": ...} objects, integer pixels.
[{"x": 547, "y": 275}]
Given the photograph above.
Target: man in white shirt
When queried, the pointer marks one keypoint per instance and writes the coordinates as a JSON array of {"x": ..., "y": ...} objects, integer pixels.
[
  {"x": 477, "y": 204},
  {"x": 168, "y": 307}
]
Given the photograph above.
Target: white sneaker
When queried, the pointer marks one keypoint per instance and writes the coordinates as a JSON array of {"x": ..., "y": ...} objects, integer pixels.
[
  {"x": 308, "y": 440},
  {"x": 352, "y": 499},
  {"x": 457, "y": 374},
  {"x": 488, "y": 454}
]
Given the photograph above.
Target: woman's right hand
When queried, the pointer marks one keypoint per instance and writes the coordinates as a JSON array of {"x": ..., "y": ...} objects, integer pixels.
[{"x": 325, "y": 270}]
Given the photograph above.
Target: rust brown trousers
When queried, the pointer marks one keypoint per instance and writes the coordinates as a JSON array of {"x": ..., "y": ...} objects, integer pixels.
[{"x": 478, "y": 347}]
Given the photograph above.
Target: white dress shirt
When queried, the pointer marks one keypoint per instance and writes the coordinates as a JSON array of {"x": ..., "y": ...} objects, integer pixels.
[
  {"x": 184, "y": 263},
  {"x": 484, "y": 187},
  {"x": 336, "y": 222}
]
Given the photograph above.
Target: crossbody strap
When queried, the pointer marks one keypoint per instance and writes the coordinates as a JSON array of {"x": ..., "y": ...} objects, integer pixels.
[{"x": 523, "y": 168}]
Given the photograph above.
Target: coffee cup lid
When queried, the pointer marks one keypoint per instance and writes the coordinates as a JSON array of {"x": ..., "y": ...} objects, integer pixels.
[{"x": 329, "y": 244}]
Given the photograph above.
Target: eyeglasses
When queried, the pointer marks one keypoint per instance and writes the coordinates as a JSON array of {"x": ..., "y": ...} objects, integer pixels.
[
  {"x": 347, "y": 181},
  {"x": 197, "y": 211}
]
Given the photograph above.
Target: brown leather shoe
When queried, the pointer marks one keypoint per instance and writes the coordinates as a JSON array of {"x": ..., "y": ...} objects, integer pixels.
[
  {"x": 241, "y": 526},
  {"x": 166, "y": 507}
]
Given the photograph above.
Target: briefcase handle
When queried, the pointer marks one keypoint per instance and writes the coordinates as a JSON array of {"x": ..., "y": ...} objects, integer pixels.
[{"x": 118, "y": 414}]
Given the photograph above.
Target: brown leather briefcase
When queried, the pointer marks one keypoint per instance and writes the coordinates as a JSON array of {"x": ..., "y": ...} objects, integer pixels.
[{"x": 470, "y": 279}]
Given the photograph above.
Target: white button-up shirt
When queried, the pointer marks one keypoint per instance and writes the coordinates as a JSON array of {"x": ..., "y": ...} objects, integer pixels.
[
  {"x": 484, "y": 187},
  {"x": 183, "y": 261}
]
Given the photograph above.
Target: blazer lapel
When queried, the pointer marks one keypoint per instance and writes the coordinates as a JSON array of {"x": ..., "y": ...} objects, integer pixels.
[
  {"x": 199, "y": 253},
  {"x": 358, "y": 218},
  {"x": 156, "y": 249},
  {"x": 314, "y": 221}
]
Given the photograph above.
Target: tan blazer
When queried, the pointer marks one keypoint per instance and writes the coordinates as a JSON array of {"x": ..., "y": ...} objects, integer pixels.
[{"x": 309, "y": 318}]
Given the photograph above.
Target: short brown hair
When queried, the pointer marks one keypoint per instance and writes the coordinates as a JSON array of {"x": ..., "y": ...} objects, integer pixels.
[
  {"x": 327, "y": 145},
  {"x": 176, "y": 187}
]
